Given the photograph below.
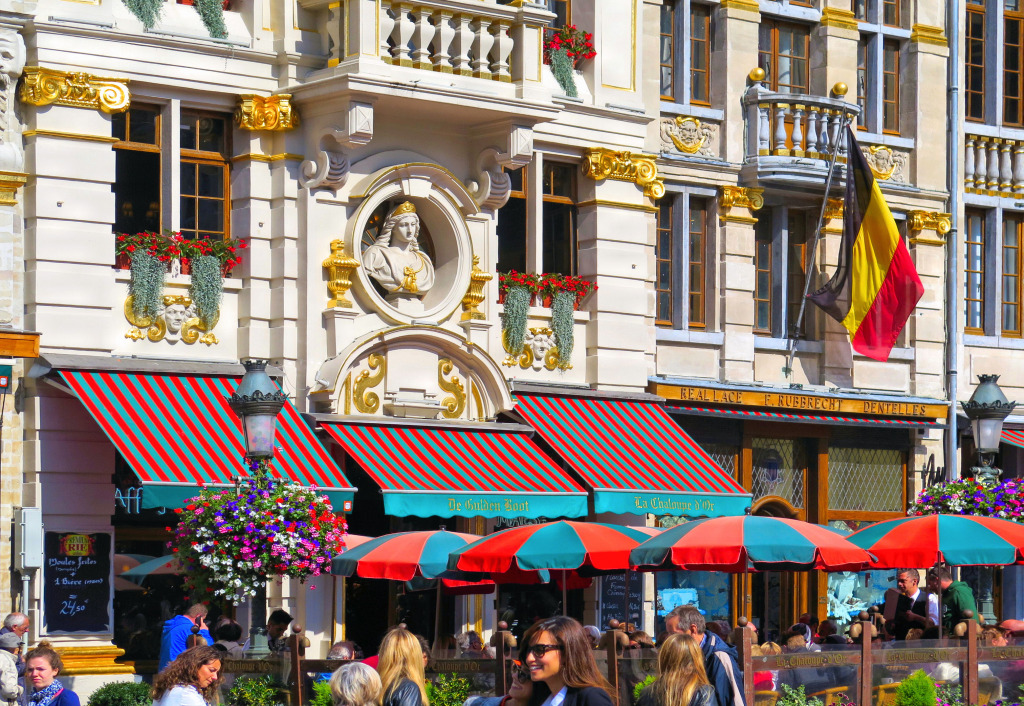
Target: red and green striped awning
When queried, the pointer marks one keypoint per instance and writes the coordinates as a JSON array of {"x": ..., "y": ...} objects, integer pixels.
[
  {"x": 634, "y": 457},
  {"x": 1014, "y": 437},
  {"x": 427, "y": 471},
  {"x": 176, "y": 431}
]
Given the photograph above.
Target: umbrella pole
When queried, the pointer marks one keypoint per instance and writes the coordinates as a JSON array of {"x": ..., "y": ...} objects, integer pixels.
[
  {"x": 437, "y": 613},
  {"x": 565, "y": 591},
  {"x": 625, "y": 600}
]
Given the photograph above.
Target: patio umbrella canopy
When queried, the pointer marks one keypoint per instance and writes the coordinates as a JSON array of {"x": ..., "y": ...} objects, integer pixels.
[
  {"x": 401, "y": 556},
  {"x": 561, "y": 546},
  {"x": 958, "y": 540},
  {"x": 744, "y": 543}
]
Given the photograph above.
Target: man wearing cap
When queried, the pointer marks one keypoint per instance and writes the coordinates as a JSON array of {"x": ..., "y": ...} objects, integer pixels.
[{"x": 10, "y": 646}]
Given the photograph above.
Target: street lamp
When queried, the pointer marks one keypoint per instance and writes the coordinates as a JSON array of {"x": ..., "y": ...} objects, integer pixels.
[
  {"x": 257, "y": 402},
  {"x": 987, "y": 409}
]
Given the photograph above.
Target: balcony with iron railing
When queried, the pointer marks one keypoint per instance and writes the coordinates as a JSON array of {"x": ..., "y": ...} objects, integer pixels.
[{"x": 791, "y": 137}]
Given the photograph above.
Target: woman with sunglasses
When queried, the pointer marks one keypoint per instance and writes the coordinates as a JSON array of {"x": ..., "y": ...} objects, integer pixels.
[
  {"x": 519, "y": 691},
  {"x": 558, "y": 654},
  {"x": 682, "y": 680}
]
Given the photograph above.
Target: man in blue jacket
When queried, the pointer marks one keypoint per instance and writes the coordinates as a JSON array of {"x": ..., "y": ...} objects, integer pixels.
[
  {"x": 178, "y": 630},
  {"x": 719, "y": 657}
]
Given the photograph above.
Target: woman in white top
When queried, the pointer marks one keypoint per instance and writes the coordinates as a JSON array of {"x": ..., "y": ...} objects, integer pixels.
[{"x": 190, "y": 680}]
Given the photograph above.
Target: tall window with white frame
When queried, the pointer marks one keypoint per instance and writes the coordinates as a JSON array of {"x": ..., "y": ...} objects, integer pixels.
[
  {"x": 685, "y": 52},
  {"x": 763, "y": 276},
  {"x": 1012, "y": 248},
  {"x": 664, "y": 258},
  {"x": 974, "y": 271},
  {"x": 879, "y": 57},
  {"x": 681, "y": 260}
]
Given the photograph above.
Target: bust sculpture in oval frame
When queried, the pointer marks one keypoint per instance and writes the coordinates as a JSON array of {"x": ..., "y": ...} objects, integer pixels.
[{"x": 395, "y": 261}]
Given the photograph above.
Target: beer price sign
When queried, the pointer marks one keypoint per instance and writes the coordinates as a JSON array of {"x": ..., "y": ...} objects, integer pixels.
[{"x": 76, "y": 582}]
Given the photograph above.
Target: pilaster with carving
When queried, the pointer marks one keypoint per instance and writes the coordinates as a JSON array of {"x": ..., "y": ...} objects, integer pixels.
[
  {"x": 736, "y": 207},
  {"x": 12, "y": 175}
]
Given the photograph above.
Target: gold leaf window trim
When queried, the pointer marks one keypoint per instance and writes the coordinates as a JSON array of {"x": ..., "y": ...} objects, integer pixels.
[{"x": 600, "y": 164}]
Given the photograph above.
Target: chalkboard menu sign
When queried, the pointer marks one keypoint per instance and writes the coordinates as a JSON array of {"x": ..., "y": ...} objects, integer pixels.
[
  {"x": 613, "y": 592},
  {"x": 76, "y": 582}
]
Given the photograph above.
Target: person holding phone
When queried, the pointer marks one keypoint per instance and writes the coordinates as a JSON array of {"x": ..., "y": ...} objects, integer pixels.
[{"x": 178, "y": 629}]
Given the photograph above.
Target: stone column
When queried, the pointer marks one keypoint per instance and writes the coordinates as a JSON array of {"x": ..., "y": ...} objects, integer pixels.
[
  {"x": 739, "y": 19},
  {"x": 736, "y": 207},
  {"x": 926, "y": 328}
]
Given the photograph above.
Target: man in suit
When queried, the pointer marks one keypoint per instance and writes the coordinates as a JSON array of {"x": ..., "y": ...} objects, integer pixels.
[{"x": 912, "y": 605}]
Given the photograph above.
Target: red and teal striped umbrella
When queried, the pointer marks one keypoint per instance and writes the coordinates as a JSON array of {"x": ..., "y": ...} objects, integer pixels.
[
  {"x": 561, "y": 546},
  {"x": 402, "y": 556},
  {"x": 958, "y": 540},
  {"x": 747, "y": 542}
]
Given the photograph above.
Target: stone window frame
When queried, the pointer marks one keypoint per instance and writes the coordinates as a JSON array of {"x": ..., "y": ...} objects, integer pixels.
[
  {"x": 875, "y": 36},
  {"x": 993, "y": 332},
  {"x": 681, "y": 199},
  {"x": 682, "y": 88}
]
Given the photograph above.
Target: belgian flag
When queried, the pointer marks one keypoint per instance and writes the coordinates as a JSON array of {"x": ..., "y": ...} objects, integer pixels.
[{"x": 876, "y": 286}]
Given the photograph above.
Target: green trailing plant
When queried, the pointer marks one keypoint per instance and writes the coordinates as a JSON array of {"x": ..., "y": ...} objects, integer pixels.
[
  {"x": 513, "y": 319},
  {"x": 795, "y": 697},
  {"x": 321, "y": 694},
  {"x": 121, "y": 694},
  {"x": 563, "y": 306},
  {"x": 638, "y": 689},
  {"x": 447, "y": 690},
  {"x": 206, "y": 288},
  {"x": 146, "y": 285},
  {"x": 916, "y": 690},
  {"x": 562, "y": 68},
  {"x": 253, "y": 691},
  {"x": 146, "y": 11},
  {"x": 211, "y": 12}
]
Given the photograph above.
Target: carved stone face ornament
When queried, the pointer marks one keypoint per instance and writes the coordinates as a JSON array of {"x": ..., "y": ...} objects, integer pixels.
[
  {"x": 176, "y": 320},
  {"x": 395, "y": 261}
]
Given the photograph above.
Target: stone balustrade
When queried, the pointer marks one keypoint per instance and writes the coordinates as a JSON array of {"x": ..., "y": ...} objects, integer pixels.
[
  {"x": 475, "y": 38},
  {"x": 993, "y": 166},
  {"x": 795, "y": 125}
]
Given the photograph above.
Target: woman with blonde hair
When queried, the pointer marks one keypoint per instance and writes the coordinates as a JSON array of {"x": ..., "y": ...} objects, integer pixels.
[
  {"x": 682, "y": 680},
  {"x": 191, "y": 679},
  {"x": 355, "y": 684},
  {"x": 400, "y": 666}
]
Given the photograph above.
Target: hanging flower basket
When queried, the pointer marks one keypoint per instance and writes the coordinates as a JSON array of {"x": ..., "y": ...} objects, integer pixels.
[
  {"x": 230, "y": 541},
  {"x": 577, "y": 45},
  {"x": 169, "y": 246}
]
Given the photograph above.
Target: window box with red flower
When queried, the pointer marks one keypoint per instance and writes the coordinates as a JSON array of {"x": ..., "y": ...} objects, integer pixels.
[{"x": 565, "y": 49}]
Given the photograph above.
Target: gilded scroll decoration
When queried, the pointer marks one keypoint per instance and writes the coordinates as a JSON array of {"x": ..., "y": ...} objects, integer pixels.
[
  {"x": 455, "y": 404},
  {"x": 340, "y": 267},
  {"x": 363, "y": 398},
  {"x": 600, "y": 164},
  {"x": 730, "y": 197},
  {"x": 274, "y": 113},
  {"x": 918, "y": 221},
  {"x": 76, "y": 89},
  {"x": 175, "y": 320},
  {"x": 475, "y": 293}
]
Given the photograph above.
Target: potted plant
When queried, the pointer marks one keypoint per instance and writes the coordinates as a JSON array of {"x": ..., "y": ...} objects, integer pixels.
[
  {"x": 565, "y": 49},
  {"x": 516, "y": 291},
  {"x": 210, "y": 11},
  {"x": 121, "y": 694},
  {"x": 565, "y": 292},
  {"x": 447, "y": 690}
]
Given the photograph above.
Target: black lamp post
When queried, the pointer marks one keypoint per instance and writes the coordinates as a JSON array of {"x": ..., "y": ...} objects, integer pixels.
[
  {"x": 257, "y": 402},
  {"x": 987, "y": 409}
]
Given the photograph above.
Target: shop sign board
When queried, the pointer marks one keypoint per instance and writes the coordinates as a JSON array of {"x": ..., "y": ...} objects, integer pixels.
[
  {"x": 77, "y": 582},
  {"x": 613, "y": 591}
]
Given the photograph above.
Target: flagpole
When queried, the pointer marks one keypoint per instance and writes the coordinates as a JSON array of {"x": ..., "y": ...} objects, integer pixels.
[{"x": 840, "y": 135}]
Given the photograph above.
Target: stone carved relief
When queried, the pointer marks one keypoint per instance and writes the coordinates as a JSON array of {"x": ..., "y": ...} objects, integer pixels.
[
  {"x": 689, "y": 135},
  {"x": 395, "y": 260},
  {"x": 329, "y": 167},
  {"x": 175, "y": 320},
  {"x": 886, "y": 164},
  {"x": 539, "y": 351},
  {"x": 12, "y": 62},
  {"x": 492, "y": 186}
]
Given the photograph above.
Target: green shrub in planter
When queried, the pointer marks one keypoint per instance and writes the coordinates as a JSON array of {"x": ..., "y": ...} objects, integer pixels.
[
  {"x": 916, "y": 690},
  {"x": 124, "y": 693},
  {"x": 321, "y": 694},
  {"x": 253, "y": 691}
]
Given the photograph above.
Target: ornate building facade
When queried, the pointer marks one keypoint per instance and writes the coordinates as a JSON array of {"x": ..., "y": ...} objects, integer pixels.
[{"x": 382, "y": 161}]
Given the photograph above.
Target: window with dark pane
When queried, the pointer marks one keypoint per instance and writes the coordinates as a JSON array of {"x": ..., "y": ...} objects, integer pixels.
[
  {"x": 783, "y": 54},
  {"x": 891, "y": 13},
  {"x": 697, "y": 262},
  {"x": 862, "y": 82},
  {"x": 974, "y": 272},
  {"x": 700, "y": 54},
  {"x": 763, "y": 276},
  {"x": 1013, "y": 27},
  {"x": 511, "y": 226},
  {"x": 974, "y": 61},
  {"x": 666, "y": 49},
  {"x": 558, "y": 216},
  {"x": 799, "y": 252},
  {"x": 1011, "y": 289},
  {"x": 891, "y": 86},
  {"x": 137, "y": 170},
  {"x": 663, "y": 251},
  {"x": 204, "y": 173}
]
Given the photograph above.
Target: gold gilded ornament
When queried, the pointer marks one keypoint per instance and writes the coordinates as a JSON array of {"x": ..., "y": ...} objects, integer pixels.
[
  {"x": 600, "y": 164},
  {"x": 339, "y": 268},
  {"x": 366, "y": 401},
  {"x": 273, "y": 113},
  {"x": 454, "y": 405},
  {"x": 475, "y": 293},
  {"x": 40, "y": 86},
  {"x": 175, "y": 320}
]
